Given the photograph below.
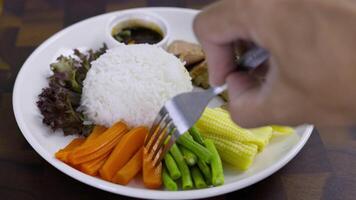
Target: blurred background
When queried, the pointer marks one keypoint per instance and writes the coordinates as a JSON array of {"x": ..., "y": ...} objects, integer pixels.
[{"x": 324, "y": 169}]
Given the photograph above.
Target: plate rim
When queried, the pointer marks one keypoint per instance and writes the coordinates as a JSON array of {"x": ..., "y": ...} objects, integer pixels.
[{"x": 125, "y": 190}]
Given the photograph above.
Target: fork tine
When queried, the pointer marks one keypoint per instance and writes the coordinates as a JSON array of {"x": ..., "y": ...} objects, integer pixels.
[
  {"x": 162, "y": 114},
  {"x": 156, "y": 158},
  {"x": 166, "y": 148},
  {"x": 158, "y": 132},
  {"x": 176, "y": 133},
  {"x": 162, "y": 139},
  {"x": 159, "y": 122}
]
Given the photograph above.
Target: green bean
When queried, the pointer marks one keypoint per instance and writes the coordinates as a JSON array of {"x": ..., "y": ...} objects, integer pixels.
[
  {"x": 188, "y": 135},
  {"x": 172, "y": 166},
  {"x": 194, "y": 132},
  {"x": 168, "y": 182},
  {"x": 189, "y": 157},
  {"x": 205, "y": 169},
  {"x": 198, "y": 149},
  {"x": 198, "y": 178},
  {"x": 216, "y": 165},
  {"x": 187, "y": 182}
]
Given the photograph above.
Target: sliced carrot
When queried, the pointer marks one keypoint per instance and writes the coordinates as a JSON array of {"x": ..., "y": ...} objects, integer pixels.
[
  {"x": 133, "y": 167},
  {"x": 151, "y": 174},
  {"x": 62, "y": 154},
  {"x": 97, "y": 130},
  {"x": 123, "y": 151},
  {"x": 98, "y": 146},
  {"x": 103, "y": 139},
  {"x": 75, "y": 160},
  {"x": 92, "y": 167}
]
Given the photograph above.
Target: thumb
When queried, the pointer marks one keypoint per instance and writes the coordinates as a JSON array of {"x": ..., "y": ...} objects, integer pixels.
[
  {"x": 246, "y": 102},
  {"x": 253, "y": 103}
]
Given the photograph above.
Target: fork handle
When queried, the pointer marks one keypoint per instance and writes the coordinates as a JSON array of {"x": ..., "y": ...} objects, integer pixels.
[
  {"x": 219, "y": 89},
  {"x": 252, "y": 58}
]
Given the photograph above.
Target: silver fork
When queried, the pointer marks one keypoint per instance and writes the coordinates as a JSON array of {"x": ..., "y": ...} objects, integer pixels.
[{"x": 182, "y": 111}]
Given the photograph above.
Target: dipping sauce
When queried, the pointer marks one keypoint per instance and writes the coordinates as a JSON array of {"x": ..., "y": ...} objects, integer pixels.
[{"x": 137, "y": 32}]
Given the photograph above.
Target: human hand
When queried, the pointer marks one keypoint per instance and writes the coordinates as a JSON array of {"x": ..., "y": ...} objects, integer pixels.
[{"x": 312, "y": 69}]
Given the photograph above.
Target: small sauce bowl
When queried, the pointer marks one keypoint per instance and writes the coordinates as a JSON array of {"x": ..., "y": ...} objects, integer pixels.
[{"x": 136, "y": 19}]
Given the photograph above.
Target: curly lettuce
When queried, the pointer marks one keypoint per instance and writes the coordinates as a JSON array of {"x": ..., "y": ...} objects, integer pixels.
[{"x": 59, "y": 102}]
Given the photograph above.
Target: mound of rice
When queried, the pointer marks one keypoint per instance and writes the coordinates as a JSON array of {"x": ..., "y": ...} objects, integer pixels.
[{"x": 131, "y": 83}]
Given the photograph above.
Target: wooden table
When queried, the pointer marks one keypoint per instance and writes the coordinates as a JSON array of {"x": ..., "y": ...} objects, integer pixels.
[{"x": 324, "y": 169}]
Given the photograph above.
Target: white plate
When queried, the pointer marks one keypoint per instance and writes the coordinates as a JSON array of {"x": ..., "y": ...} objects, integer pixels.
[{"x": 89, "y": 33}]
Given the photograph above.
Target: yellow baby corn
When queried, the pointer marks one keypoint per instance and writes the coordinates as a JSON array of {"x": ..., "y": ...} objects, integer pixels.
[
  {"x": 263, "y": 133},
  {"x": 281, "y": 130},
  {"x": 217, "y": 123},
  {"x": 236, "y": 146},
  {"x": 237, "y": 154}
]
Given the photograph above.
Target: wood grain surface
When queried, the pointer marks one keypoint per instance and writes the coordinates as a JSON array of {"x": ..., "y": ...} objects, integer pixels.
[{"x": 324, "y": 169}]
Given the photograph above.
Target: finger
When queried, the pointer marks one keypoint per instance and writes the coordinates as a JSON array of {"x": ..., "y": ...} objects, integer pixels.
[
  {"x": 222, "y": 21},
  {"x": 218, "y": 28},
  {"x": 260, "y": 72},
  {"x": 239, "y": 83},
  {"x": 211, "y": 27},
  {"x": 243, "y": 93},
  {"x": 254, "y": 104},
  {"x": 221, "y": 62},
  {"x": 247, "y": 102}
]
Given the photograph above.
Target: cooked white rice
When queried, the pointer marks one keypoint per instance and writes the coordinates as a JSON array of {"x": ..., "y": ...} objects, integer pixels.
[{"x": 131, "y": 83}]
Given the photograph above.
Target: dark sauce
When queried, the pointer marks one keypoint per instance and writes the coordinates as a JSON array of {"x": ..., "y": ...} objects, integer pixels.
[{"x": 138, "y": 35}]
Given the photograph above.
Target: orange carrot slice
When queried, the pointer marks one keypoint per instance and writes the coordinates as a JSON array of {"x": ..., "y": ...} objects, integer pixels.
[
  {"x": 133, "y": 167},
  {"x": 104, "y": 143},
  {"x": 92, "y": 167},
  {"x": 123, "y": 151},
  {"x": 97, "y": 130},
  {"x": 151, "y": 174},
  {"x": 103, "y": 139},
  {"x": 62, "y": 154},
  {"x": 97, "y": 154}
]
